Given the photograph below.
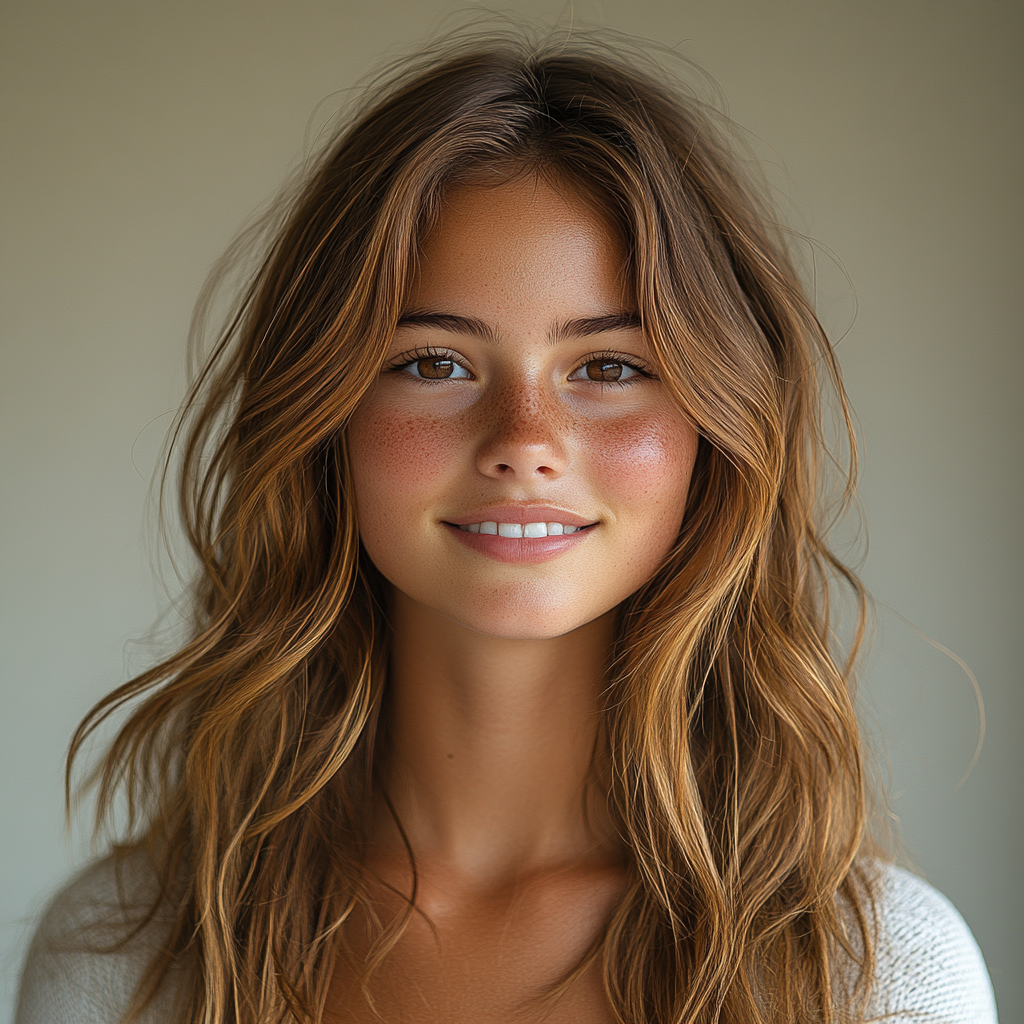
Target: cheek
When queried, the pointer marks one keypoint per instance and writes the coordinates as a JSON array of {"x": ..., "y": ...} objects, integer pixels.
[
  {"x": 644, "y": 463},
  {"x": 398, "y": 458}
]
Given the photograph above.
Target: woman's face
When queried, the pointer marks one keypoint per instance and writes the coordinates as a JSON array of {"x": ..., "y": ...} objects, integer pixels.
[{"x": 517, "y": 403}]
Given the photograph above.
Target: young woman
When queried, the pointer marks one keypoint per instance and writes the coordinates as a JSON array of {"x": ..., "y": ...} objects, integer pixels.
[{"x": 512, "y": 693}]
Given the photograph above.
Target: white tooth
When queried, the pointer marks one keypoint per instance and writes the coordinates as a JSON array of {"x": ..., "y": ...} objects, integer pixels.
[
  {"x": 488, "y": 527},
  {"x": 570, "y": 529},
  {"x": 510, "y": 529},
  {"x": 554, "y": 529},
  {"x": 473, "y": 527},
  {"x": 535, "y": 530}
]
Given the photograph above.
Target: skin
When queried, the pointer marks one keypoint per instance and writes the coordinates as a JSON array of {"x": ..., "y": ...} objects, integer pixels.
[{"x": 497, "y": 667}]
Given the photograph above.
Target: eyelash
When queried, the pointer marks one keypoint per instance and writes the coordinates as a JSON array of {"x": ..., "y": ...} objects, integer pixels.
[
  {"x": 640, "y": 370},
  {"x": 408, "y": 358}
]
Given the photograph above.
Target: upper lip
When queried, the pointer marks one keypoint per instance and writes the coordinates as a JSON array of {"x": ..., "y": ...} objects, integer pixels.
[{"x": 520, "y": 514}]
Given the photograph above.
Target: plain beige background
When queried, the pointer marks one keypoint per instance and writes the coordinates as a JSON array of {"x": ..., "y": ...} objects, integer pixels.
[{"x": 138, "y": 137}]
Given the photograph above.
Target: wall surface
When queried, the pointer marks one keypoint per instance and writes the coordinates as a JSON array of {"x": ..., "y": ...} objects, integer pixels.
[{"x": 139, "y": 136}]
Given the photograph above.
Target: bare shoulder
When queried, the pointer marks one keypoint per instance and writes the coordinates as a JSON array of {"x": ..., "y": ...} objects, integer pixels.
[
  {"x": 79, "y": 968},
  {"x": 929, "y": 966}
]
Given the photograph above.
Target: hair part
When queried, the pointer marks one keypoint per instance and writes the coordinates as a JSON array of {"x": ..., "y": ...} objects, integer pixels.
[{"x": 249, "y": 756}]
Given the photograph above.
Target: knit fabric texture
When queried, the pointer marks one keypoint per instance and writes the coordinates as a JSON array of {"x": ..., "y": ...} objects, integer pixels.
[{"x": 929, "y": 968}]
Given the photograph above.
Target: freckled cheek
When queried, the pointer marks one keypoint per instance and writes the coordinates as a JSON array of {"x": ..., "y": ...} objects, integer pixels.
[
  {"x": 399, "y": 459},
  {"x": 643, "y": 466}
]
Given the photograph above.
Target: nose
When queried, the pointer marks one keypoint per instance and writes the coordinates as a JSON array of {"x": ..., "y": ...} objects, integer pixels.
[{"x": 522, "y": 435}]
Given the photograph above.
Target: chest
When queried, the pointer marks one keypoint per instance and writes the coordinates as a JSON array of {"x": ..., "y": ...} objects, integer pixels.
[{"x": 484, "y": 960}]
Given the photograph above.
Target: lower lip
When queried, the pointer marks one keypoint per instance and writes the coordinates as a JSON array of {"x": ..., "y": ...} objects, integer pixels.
[{"x": 520, "y": 549}]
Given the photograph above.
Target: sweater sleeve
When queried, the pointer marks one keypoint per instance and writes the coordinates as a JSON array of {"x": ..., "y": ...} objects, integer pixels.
[
  {"x": 929, "y": 967},
  {"x": 65, "y": 980}
]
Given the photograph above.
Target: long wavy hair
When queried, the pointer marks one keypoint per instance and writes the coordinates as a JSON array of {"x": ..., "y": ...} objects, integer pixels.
[{"x": 248, "y": 757}]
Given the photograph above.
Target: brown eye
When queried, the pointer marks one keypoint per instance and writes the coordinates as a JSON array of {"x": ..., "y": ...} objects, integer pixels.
[
  {"x": 439, "y": 367},
  {"x": 608, "y": 370},
  {"x": 435, "y": 369},
  {"x": 603, "y": 370}
]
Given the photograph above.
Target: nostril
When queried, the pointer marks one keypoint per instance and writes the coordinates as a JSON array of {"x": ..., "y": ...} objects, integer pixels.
[{"x": 530, "y": 459}]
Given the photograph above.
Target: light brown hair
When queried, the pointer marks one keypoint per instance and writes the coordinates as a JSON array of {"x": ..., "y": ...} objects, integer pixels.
[{"x": 737, "y": 777}]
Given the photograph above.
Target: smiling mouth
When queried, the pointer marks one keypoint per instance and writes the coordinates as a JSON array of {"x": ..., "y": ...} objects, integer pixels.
[{"x": 525, "y": 531}]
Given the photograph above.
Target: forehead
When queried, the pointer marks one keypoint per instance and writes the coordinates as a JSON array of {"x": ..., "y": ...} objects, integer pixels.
[{"x": 526, "y": 240}]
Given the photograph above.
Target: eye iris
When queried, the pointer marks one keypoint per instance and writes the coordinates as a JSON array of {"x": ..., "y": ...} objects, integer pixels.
[
  {"x": 435, "y": 369},
  {"x": 604, "y": 369}
]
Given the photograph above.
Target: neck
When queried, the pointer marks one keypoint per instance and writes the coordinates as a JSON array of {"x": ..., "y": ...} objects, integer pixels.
[{"x": 494, "y": 745}]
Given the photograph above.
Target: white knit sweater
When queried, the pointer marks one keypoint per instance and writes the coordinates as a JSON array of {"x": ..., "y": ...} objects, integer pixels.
[{"x": 929, "y": 966}]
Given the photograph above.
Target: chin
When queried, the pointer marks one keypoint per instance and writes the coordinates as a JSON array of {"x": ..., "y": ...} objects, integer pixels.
[{"x": 524, "y": 619}]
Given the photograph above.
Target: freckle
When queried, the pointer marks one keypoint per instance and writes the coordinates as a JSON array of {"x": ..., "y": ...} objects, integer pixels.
[
  {"x": 451, "y": 757},
  {"x": 408, "y": 446}
]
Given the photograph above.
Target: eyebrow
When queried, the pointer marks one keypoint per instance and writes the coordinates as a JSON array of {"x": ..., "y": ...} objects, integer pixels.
[{"x": 580, "y": 328}]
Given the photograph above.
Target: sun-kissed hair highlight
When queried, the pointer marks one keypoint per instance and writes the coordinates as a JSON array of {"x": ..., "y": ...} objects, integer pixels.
[{"x": 248, "y": 757}]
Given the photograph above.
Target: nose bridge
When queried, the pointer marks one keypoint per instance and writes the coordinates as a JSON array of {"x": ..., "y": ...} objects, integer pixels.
[
  {"x": 524, "y": 428},
  {"x": 522, "y": 408}
]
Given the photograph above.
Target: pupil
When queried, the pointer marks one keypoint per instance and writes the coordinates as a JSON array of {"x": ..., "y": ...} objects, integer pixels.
[
  {"x": 600, "y": 370},
  {"x": 436, "y": 369}
]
